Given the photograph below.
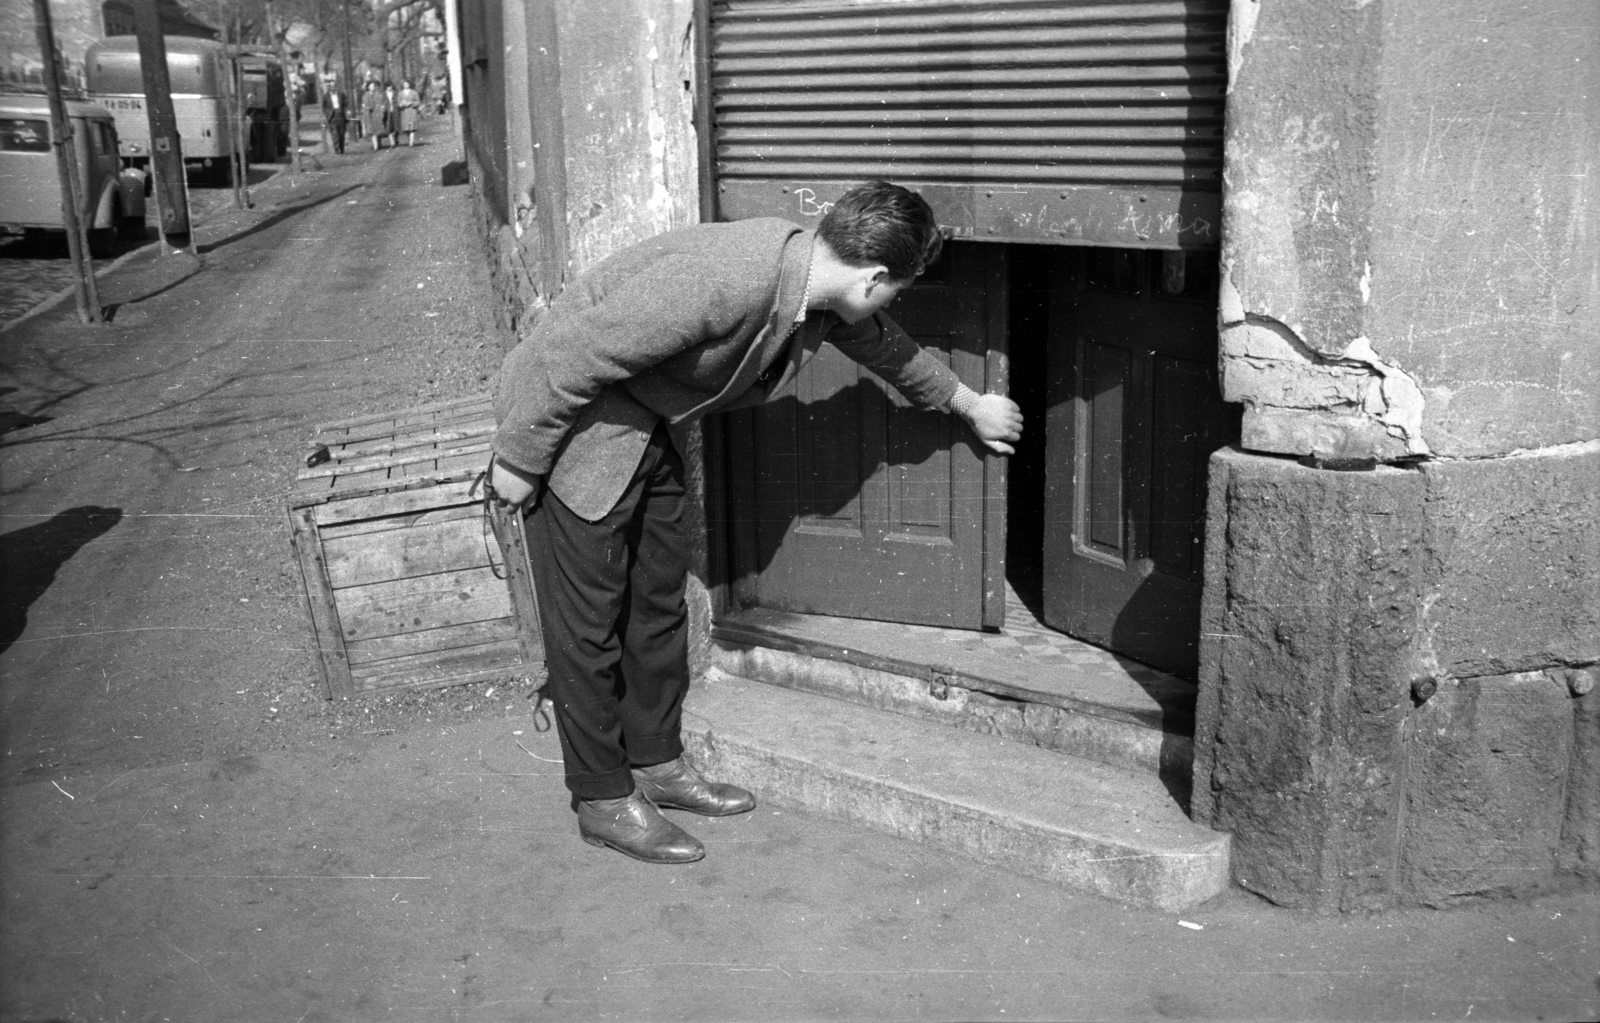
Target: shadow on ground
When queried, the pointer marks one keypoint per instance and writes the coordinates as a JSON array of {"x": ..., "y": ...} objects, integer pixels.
[{"x": 31, "y": 556}]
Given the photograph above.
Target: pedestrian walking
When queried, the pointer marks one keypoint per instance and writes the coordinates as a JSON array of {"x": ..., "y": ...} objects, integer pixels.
[
  {"x": 698, "y": 320},
  {"x": 391, "y": 117},
  {"x": 410, "y": 105},
  {"x": 374, "y": 114},
  {"x": 335, "y": 112}
]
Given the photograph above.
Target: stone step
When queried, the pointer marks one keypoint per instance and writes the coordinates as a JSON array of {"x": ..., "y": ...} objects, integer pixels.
[
  {"x": 1085, "y": 825},
  {"x": 1116, "y": 721}
]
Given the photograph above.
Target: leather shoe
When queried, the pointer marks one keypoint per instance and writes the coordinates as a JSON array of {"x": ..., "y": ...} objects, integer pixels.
[
  {"x": 633, "y": 826},
  {"x": 677, "y": 786}
]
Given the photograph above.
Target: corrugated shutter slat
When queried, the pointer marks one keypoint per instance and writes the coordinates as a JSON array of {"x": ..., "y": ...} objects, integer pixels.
[{"x": 1089, "y": 104}]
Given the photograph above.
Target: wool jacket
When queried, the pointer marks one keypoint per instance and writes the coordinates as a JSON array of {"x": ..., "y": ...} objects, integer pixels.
[{"x": 687, "y": 323}]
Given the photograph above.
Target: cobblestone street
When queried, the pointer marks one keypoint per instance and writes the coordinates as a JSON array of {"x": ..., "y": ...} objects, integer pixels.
[{"x": 35, "y": 267}]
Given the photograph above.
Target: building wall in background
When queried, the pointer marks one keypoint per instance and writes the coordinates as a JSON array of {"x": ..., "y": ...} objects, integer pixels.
[
  {"x": 77, "y": 24},
  {"x": 1412, "y": 266},
  {"x": 1397, "y": 664},
  {"x": 601, "y": 92}
]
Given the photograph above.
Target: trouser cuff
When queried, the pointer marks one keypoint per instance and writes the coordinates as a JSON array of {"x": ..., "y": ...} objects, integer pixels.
[
  {"x": 610, "y": 785},
  {"x": 657, "y": 749}
]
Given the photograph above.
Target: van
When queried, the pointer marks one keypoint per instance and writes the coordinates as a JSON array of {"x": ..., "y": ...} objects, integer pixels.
[
  {"x": 30, "y": 183},
  {"x": 202, "y": 79}
]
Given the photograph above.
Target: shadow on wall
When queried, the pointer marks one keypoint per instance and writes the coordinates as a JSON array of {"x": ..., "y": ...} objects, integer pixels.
[{"x": 29, "y": 558}]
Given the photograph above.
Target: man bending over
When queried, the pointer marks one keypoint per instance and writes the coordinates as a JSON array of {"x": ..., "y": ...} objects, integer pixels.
[{"x": 698, "y": 320}]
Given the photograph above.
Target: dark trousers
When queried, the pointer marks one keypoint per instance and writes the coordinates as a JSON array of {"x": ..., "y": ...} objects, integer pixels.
[
  {"x": 336, "y": 132},
  {"x": 612, "y": 611}
]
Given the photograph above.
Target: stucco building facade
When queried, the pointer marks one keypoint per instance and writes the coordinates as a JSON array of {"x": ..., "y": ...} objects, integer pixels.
[{"x": 1394, "y": 604}]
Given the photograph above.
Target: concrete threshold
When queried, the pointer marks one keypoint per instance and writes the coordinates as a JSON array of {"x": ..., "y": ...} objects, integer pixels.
[
  {"x": 1135, "y": 718},
  {"x": 1087, "y": 826}
]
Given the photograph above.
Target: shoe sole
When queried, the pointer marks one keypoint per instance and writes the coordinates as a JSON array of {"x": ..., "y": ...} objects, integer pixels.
[
  {"x": 603, "y": 844},
  {"x": 703, "y": 813}
]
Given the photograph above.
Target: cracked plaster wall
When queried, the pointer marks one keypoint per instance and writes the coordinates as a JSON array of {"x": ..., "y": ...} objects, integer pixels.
[
  {"x": 1410, "y": 265},
  {"x": 628, "y": 107}
]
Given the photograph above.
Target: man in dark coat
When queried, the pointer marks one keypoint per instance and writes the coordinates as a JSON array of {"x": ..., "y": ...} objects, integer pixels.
[
  {"x": 698, "y": 320},
  {"x": 335, "y": 112}
]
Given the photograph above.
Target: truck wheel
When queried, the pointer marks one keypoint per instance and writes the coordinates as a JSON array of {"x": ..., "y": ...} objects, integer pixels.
[
  {"x": 103, "y": 240},
  {"x": 131, "y": 229}
]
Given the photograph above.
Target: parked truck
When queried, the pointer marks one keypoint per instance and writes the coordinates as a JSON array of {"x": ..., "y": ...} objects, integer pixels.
[
  {"x": 206, "y": 79},
  {"x": 30, "y": 183}
]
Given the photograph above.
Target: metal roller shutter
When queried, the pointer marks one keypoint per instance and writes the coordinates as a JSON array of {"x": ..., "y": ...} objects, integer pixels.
[{"x": 1019, "y": 120}]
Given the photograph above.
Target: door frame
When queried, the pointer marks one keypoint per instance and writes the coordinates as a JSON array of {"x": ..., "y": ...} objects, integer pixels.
[{"x": 729, "y": 592}]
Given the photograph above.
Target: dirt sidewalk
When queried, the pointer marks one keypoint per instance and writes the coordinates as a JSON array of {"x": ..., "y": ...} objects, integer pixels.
[{"x": 190, "y": 833}]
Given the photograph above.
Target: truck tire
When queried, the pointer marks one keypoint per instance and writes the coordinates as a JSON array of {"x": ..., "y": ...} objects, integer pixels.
[
  {"x": 103, "y": 240},
  {"x": 131, "y": 229}
]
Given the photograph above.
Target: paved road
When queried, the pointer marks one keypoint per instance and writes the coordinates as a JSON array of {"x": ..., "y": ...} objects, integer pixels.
[{"x": 344, "y": 291}]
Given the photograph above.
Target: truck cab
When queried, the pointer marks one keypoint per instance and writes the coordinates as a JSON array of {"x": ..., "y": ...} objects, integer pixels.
[{"x": 113, "y": 202}]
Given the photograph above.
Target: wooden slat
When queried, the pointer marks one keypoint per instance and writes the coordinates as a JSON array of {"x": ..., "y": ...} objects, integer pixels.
[
  {"x": 389, "y": 487},
  {"x": 460, "y": 407},
  {"x": 508, "y": 530},
  {"x": 426, "y": 516},
  {"x": 354, "y": 466},
  {"x": 424, "y": 602},
  {"x": 365, "y": 654},
  {"x": 378, "y": 417},
  {"x": 392, "y": 443},
  {"x": 308, "y": 492},
  {"x": 474, "y": 462},
  {"x": 461, "y": 665},
  {"x": 379, "y": 432},
  {"x": 375, "y": 479},
  {"x": 427, "y": 548},
  {"x": 321, "y": 605},
  {"x": 413, "y": 499}
]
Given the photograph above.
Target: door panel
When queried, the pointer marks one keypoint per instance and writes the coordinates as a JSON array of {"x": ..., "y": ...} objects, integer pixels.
[
  {"x": 1135, "y": 412},
  {"x": 849, "y": 501}
]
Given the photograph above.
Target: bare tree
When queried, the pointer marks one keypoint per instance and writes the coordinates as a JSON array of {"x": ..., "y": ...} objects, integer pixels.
[{"x": 383, "y": 40}]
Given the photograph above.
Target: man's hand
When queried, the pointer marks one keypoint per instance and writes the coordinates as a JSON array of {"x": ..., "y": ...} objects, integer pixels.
[
  {"x": 512, "y": 486},
  {"x": 996, "y": 419}
]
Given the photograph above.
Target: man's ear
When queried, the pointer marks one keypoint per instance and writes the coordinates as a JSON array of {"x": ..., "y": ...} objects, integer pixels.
[{"x": 875, "y": 275}]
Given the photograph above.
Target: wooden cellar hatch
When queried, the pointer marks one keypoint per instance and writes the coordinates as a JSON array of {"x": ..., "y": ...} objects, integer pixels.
[{"x": 408, "y": 583}]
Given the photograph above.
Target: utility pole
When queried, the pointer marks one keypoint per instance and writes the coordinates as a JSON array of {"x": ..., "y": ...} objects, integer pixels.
[
  {"x": 66, "y": 158},
  {"x": 241, "y": 159},
  {"x": 170, "y": 185}
]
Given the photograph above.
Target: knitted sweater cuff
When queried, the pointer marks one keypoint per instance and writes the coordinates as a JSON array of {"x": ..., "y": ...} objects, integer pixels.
[{"x": 962, "y": 401}]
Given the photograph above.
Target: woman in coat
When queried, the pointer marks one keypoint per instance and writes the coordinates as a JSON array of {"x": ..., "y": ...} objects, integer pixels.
[
  {"x": 391, "y": 121},
  {"x": 374, "y": 114},
  {"x": 410, "y": 104}
]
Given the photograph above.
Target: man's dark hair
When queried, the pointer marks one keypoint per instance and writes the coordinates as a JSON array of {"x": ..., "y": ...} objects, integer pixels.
[{"x": 877, "y": 222}]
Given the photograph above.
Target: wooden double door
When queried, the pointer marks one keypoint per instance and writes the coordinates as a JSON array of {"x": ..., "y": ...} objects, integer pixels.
[{"x": 844, "y": 500}]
